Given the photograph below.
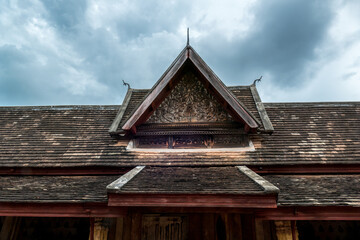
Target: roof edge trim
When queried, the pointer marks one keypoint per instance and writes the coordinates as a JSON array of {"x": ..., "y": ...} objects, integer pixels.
[
  {"x": 159, "y": 85},
  {"x": 222, "y": 89},
  {"x": 115, "y": 124},
  {"x": 124, "y": 179},
  {"x": 262, "y": 182},
  {"x": 268, "y": 127}
]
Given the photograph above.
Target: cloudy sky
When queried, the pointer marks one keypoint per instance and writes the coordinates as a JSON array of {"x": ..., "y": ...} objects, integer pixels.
[{"x": 77, "y": 52}]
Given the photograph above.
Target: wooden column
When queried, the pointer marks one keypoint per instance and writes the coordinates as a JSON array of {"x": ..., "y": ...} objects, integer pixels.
[
  {"x": 100, "y": 229},
  {"x": 286, "y": 230},
  {"x": 10, "y": 228}
]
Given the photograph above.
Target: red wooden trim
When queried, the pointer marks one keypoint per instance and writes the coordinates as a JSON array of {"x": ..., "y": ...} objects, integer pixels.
[
  {"x": 309, "y": 213},
  {"x": 293, "y": 230},
  {"x": 65, "y": 171},
  {"x": 192, "y": 200},
  {"x": 60, "y": 210},
  {"x": 92, "y": 226},
  {"x": 308, "y": 169}
]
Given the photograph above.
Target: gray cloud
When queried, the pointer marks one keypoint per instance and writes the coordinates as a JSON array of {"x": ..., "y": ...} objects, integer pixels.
[
  {"x": 77, "y": 52},
  {"x": 282, "y": 41}
]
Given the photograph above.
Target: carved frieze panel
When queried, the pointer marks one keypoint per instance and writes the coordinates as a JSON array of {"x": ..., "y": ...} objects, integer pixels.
[
  {"x": 153, "y": 142},
  {"x": 230, "y": 141},
  {"x": 196, "y": 141},
  {"x": 188, "y": 102},
  {"x": 192, "y": 141}
]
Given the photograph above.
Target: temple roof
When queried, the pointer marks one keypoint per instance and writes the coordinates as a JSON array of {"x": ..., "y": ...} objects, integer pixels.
[
  {"x": 54, "y": 189},
  {"x": 194, "y": 180},
  {"x": 70, "y": 136},
  {"x": 317, "y": 190}
]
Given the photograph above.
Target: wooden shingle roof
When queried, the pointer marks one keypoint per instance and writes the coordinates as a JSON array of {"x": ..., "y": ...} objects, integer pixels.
[
  {"x": 192, "y": 187},
  {"x": 317, "y": 190},
  {"x": 54, "y": 189},
  {"x": 70, "y": 136}
]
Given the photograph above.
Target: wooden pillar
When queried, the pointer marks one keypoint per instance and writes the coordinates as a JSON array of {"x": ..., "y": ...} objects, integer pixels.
[
  {"x": 10, "y": 228},
  {"x": 100, "y": 229},
  {"x": 286, "y": 230}
]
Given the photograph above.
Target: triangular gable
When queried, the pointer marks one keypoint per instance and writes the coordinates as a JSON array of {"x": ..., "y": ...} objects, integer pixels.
[{"x": 165, "y": 84}]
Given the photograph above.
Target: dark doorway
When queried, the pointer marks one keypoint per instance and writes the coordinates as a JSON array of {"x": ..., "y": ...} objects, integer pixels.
[{"x": 328, "y": 230}]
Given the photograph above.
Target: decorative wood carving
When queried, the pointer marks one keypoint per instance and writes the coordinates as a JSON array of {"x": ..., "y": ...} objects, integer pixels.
[
  {"x": 189, "y": 101},
  {"x": 192, "y": 141},
  {"x": 231, "y": 141},
  {"x": 197, "y": 141},
  {"x": 159, "y": 227},
  {"x": 153, "y": 142}
]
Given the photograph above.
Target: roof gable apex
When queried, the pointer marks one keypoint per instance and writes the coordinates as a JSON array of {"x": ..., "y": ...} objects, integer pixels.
[{"x": 188, "y": 54}]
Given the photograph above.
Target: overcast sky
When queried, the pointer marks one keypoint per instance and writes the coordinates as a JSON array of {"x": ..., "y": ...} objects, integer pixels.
[{"x": 77, "y": 52}]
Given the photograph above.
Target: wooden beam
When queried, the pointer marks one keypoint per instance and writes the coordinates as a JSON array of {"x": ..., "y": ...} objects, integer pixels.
[
  {"x": 192, "y": 200},
  {"x": 61, "y": 210},
  {"x": 64, "y": 171},
  {"x": 307, "y": 169},
  {"x": 310, "y": 213}
]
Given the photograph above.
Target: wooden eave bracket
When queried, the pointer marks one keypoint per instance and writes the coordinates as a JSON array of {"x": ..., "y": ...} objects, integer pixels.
[
  {"x": 191, "y": 200},
  {"x": 188, "y": 53}
]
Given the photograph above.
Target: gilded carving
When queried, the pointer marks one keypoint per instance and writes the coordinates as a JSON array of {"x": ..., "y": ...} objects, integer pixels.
[{"x": 189, "y": 101}]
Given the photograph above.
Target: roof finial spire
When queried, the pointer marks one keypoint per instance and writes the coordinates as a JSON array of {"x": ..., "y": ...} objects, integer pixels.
[
  {"x": 126, "y": 84},
  {"x": 188, "y": 38},
  {"x": 257, "y": 80}
]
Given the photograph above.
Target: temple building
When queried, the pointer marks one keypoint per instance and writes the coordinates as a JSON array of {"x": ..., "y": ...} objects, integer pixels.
[{"x": 188, "y": 159}]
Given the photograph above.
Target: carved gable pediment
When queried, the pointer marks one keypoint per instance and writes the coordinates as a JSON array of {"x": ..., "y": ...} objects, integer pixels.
[
  {"x": 189, "y": 102},
  {"x": 189, "y": 92}
]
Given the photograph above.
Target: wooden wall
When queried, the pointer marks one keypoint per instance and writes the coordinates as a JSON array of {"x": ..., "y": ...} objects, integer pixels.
[{"x": 194, "y": 226}]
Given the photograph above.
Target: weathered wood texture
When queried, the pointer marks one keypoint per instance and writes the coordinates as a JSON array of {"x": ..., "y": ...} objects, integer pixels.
[
  {"x": 285, "y": 230},
  {"x": 164, "y": 227},
  {"x": 101, "y": 229},
  {"x": 191, "y": 226}
]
